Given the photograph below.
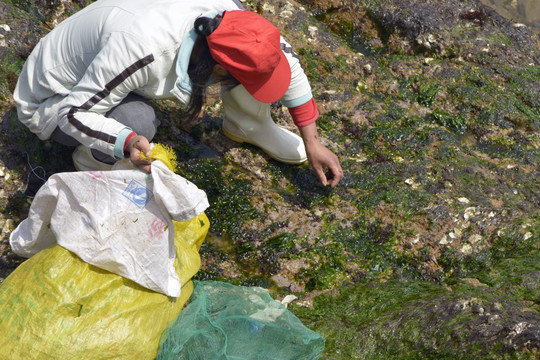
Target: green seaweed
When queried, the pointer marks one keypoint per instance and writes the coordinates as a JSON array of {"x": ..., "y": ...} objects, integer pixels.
[
  {"x": 10, "y": 68},
  {"x": 229, "y": 196},
  {"x": 427, "y": 93},
  {"x": 455, "y": 123},
  {"x": 430, "y": 133},
  {"x": 407, "y": 320}
]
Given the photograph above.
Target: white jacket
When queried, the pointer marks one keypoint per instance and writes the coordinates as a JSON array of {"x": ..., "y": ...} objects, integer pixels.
[{"x": 95, "y": 58}]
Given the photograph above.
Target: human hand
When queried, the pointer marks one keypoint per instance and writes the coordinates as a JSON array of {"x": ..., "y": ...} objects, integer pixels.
[
  {"x": 321, "y": 159},
  {"x": 137, "y": 145}
]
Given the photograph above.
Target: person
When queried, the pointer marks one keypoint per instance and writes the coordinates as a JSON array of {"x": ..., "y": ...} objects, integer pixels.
[{"x": 89, "y": 82}]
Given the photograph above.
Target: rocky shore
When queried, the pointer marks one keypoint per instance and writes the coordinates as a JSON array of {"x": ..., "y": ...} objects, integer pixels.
[{"x": 430, "y": 246}]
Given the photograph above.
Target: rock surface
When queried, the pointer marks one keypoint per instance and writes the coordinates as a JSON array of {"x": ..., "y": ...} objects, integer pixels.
[{"x": 429, "y": 248}]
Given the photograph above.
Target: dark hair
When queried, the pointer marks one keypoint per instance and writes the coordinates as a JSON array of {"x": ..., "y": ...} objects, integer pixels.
[{"x": 201, "y": 65}]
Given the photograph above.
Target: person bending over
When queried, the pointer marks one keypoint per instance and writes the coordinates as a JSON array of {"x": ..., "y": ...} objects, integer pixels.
[{"x": 89, "y": 82}]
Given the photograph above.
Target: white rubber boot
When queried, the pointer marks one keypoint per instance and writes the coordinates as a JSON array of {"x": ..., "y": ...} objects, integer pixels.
[
  {"x": 248, "y": 120},
  {"x": 85, "y": 161}
]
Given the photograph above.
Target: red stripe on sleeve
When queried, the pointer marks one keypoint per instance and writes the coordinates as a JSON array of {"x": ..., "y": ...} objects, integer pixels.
[{"x": 305, "y": 114}]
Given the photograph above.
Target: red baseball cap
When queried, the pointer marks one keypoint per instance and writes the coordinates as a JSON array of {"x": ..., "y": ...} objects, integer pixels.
[{"x": 248, "y": 47}]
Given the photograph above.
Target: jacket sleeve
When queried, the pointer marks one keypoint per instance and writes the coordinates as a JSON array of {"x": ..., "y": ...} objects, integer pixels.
[
  {"x": 305, "y": 114},
  {"x": 121, "y": 66},
  {"x": 298, "y": 95}
]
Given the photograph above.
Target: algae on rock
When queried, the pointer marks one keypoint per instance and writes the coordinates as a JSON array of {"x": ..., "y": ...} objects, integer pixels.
[{"x": 429, "y": 246}]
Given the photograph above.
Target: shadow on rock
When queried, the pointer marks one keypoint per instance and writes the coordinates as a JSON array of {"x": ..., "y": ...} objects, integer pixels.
[{"x": 33, "y": 159}]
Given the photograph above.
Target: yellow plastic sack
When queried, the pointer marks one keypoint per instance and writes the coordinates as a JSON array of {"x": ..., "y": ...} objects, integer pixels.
[{"x": 55, "y": 306}]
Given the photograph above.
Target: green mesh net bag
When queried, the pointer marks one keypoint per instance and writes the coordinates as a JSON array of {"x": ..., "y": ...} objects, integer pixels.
[{"x": 224, "y": 321}]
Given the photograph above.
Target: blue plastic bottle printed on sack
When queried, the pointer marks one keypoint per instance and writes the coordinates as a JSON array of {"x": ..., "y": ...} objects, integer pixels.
[{"x": 138, "y": 194}]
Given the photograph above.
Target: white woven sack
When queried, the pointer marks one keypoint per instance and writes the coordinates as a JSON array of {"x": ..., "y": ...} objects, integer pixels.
[{"x": 118, "y": 220}]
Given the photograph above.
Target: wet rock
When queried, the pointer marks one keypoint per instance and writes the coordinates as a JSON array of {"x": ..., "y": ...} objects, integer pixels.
[
  {"x": 431, "y": 108},
  {"x": 483, "y": 322},
  {"x": 412, "y": 26}
]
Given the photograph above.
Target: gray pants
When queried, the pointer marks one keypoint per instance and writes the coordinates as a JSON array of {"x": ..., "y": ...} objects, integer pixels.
[{"x": 134, "y": 111}]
